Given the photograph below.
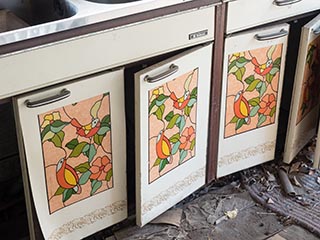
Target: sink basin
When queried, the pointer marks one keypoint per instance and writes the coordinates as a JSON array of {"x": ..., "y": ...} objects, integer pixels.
[{"x": 112, "y": 1}]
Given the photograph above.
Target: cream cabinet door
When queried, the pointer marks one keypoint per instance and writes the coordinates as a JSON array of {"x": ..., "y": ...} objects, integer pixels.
[
  {"x": 250, "y": 99},
  {"x": 244, "y": 14},
  {"x": 74, "y": 138},
  {"x": 172, "y": 105},
  {"x": 305, "y": 101}
]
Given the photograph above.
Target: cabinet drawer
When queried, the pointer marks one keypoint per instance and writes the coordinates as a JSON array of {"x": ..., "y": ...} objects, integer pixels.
[
  {"x": 172, "y": 106},
  {"x": 243, "y": 14},
  {"x": 73, "y": 145},
  {"x": 250, "y": 98}
]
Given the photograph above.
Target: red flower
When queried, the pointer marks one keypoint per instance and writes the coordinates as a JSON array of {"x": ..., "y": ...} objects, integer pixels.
[
  {"x": 187, "y": 137},
  {"x": 267, "y": 103},
  {"x": 100, "y": 167}
]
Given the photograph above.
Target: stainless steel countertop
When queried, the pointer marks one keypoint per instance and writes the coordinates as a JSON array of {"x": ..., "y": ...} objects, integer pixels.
[{"x": 86, "y": 13}]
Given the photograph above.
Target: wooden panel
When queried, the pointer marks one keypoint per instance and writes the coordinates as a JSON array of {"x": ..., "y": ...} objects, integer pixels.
[
  {"x": 304, "y": 110},
  {"x": 244, "y": 14},
  {"x": 76, "y": 167},
  {"x": 171, "y": 132},
  {"x": 250, "y": 99}
]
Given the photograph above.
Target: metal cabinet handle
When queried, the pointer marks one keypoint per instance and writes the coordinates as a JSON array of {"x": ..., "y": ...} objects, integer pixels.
[
  {"x": 281, "y": 3},
  {"x": 316, "y": 31},
  {"x": 265, "y": 37},
  {"x": 172, "y": 69},
  {"x": 62, "y": 95}
]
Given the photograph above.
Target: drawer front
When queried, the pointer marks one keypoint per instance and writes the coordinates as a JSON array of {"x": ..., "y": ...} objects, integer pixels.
[
  {"x": 244, "y": 14},
  {"x": 305, "y": 101},
  {"x": 250, "y": 99},
  {"x": 44, "y": 66},
  {"x": 171, "y": 131},
  {"x": 74, "y": 155}
]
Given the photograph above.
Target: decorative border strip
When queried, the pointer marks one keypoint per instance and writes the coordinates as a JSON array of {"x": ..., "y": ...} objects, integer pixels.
[
  {"x": 172, "y": 191},
  {"x": 88, "y": 219},
  {"x": 246, "y": 153}
]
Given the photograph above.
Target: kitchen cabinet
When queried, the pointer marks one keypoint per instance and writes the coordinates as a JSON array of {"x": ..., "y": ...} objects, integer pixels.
[
  {"x": 305, "y": 101},
  {"x": 72, "y": 135},
  {"x": 171, "y": 111},
  {"x": 251, "y": 91}
]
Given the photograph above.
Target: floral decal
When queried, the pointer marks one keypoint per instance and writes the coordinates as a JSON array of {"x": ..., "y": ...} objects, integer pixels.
[
  {"x": 252, "y": 89},
  {"x": 172, "y": 124},
  {"x": 309, "y": 97},
  {"x": 76, "y": 145}
]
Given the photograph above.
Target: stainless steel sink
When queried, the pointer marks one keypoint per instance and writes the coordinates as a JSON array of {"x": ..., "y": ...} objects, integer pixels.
[{"x": 112, "y": 1}]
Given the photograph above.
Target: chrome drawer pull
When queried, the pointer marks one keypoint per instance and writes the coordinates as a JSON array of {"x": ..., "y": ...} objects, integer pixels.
[
  {"x": 285, "y": 2},
  {"x": 265, "y": 37},
  {"x": 62, "y": 95},
  {"x": 316, "y": 31},
  {"x": 172, "y": 70}
]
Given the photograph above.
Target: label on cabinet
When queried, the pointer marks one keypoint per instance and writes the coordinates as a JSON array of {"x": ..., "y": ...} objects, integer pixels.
[
  {"x": 250, "y": 99},
  {"x": 76, "y": 167},
  {"x": 172, "y": 105}
]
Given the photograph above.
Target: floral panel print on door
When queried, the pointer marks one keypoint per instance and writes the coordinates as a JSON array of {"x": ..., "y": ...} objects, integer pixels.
[
  {"x": 77, "y": 155},
  {"x": 172, "y": 124},
  {"x": 252, "y": 89},
  {"x": 311, "y": 83}
]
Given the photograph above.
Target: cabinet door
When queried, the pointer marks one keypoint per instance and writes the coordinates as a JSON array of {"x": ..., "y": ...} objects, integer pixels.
[
  {"x": 250, "y": 99},
  {"x": 244, "y": 14},
  {"x": 172, "y": 103},
  {"x": 305, "y": 97},
  {"x": 74, "y": 138}
]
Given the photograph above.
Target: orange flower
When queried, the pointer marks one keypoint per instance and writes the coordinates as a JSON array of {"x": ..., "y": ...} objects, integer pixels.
[
  {"x": 187, "y": 137},
  {"x": 100, "y": 167},
  {"x": 267, "y": 103}
]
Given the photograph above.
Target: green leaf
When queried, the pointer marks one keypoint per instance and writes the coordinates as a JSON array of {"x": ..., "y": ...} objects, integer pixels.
[
  {"x": 161, "y": 99},
  {"x": 234, "y": 119},
  {"x": 239, "y": 73},
  {"x": 175, "y": 148},
  {"x": 57, "y": 126},
  {"x": 67, "y": 194},
  {"x": 92, "y": 152},
  {"x": 103, "y": 130},
  {"x": 253, "y": 85},
  {"x": 277, "y": 62},
  {"x": 232, "y": 68},
  {"x": 263, "y": 89},
  {"x": 152, "y": 104},
  {"x": 193, "y": 143},
  {"x": 105, "y": 122},
  {"x": 59, "y": 191},
  {"x": 269, "y": 77},
  {"x": 163, "y": 164},
  {"x": 78, "y": 150},
  {"x": 98, "y": 139},
  {"x": 259, "y": 86},
  {"x": 182, "y": 123},
  {"x": 45, "y": 131},
  {"x": 183, "y": 154},
  {"x": 254, "y": 101},
  {"x": 169, "y": 116},
  {"x": 95, "y": 185},
  {"x": 72, "y": 144},
  {"x": 241, "y": 62},
  {"x": 194, "y": 93},
  {"x": 106, "y": 94},
  {"x": 175, "y": 138},
  {"x": 84, "y": 178},
  {"x": 187, "y": 110},
  {"x": 157, "y": 162},
  {"x": 86, "y": 148},
  {"x": 191, "y": 102},
  {"x": 83, "y": 167},
  {"x": 273, "y": 110},
  {"x": 274, "y": 70},
  {"x": 261, "y": 119},
  {"x": 254, "y": 110},
  {"x": 249, "y": 79},
  {"x": 173, "y": 121},
  {"x": 57, "y": 139},
  {"x": 160, "y": 111},
  {"x": 109, "y": 175},
  {"x": 48, "y": 136},
  {"x": 240, "y": 122}
]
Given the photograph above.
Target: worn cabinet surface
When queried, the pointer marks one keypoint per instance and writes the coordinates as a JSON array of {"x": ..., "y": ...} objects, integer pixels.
[
  {"x": 73, "y": 136},
  {"x": 250, "y": 99},
  {"x": 172, "y": 107},
  {"x": 305, "y": 101}
]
